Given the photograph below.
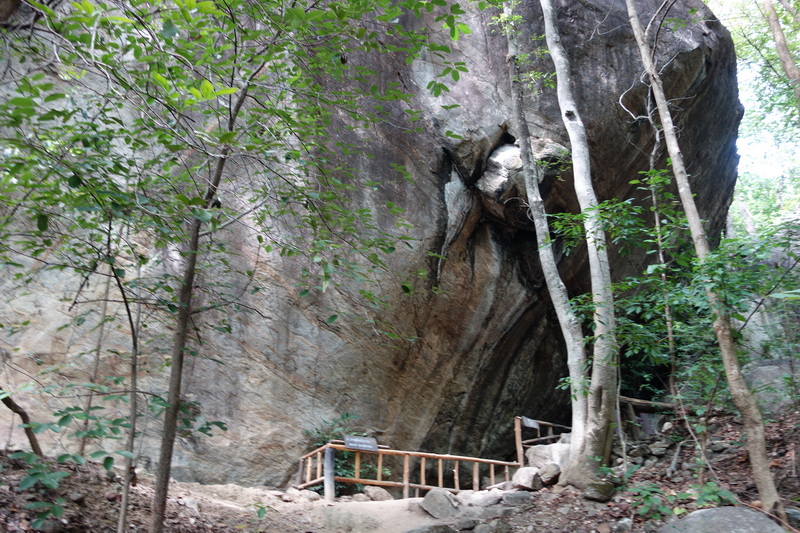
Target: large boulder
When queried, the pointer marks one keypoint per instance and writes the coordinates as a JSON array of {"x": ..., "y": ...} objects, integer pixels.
[
  {"x": 477, "y": 341},
  {"x": 727, "y": 519}
]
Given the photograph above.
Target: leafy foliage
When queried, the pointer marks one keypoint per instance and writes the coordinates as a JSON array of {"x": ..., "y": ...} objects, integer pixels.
[{"x": 336, "y": 429}]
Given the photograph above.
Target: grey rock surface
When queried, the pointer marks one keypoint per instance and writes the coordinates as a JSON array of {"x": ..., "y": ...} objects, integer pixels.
[
  {"x": 599, "y": 491},
  {"x": 517, "y": 499},
  {"x": 527, "y": 478},
  {"x": 727, "y": 519},
  {"x": 495, "y": 526},
  {"x": 549, "y": 473},
  {"x": 440, "y": 503},
  {"x": 377, "y": 494},
  {"x": 774, "y": 382}
]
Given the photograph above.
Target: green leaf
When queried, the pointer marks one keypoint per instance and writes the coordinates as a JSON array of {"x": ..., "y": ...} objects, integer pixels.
[
  {"x": 108, "y": 463},
  {"x": 42, "y": 221},
  {"x": 168, "y": 30},
  {"x": 161, "y": 80},
  {"x": 27, "y": 482},
  {"x": 206, "y": 89},
  {"x": 331, "y": 319}
]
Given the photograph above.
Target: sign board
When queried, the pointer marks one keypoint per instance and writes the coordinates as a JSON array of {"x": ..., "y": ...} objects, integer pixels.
[
  {"x": 367, "y": 444},
  {"x": 530, "y": 423}
]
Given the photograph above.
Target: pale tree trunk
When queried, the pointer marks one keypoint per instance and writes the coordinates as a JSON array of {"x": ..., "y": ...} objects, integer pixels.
[
  {"x": 603, "y": 388},
  {"x": 742, "y": 398},
  {"x": 788, "y": 64},
  {"x": 568, "y": 321}
]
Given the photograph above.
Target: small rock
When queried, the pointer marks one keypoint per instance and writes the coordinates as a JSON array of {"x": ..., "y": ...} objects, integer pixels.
[
  {"x": 641, "y": 450},
  {"x": 547, "y": 496},
  {"x": 599, "y": 491},
  {"x": 603, "y": 528},
  {"x": 516, "y": 499},
  {"x": 191, "y": 503},
  {"x": 377, "y": 494},
  {"x": 666, "y": 427},
  {"x": 465, "y": 524},
  {"x": 51, "y": 526},
  {"x": 310, "y": 495},
  {"x": 78, "y": 498},
  {"x": 440, "y": 503},
  {"x": 718, "y": 447},
  {"x": 793, "y": 516},
  {"x": 659, "y": 449},
  {"x": 290, "y": 495},
  {"x": 623, "y": 526},
  {"x": 360, "y": 498},
  {"x": 436, "y": 528},
  {"x": 495, "y": 526}
]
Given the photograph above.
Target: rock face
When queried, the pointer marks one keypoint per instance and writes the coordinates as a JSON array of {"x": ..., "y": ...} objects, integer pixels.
[{"x": 485, "y": 345}]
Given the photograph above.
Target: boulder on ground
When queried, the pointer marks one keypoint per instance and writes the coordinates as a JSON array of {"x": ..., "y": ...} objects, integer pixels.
[
  {"x": 440, "y": 503},
  {"x": 516, "y": 499},
  {"x": 377, "y": 494},
  {"x": 550, "y": 473},
  {"x": 481, "y": 498},
  {"x": 544, "y": 454},
  {"x": 727, "y": 519},
  {"x": 495, "y": 526},
  {"x": 599, "y": 491},
  {"x": 527, "y": 478}
]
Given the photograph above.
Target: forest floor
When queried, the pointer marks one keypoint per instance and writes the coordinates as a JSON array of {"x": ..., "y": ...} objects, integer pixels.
[{"x": 90, "y": 501}]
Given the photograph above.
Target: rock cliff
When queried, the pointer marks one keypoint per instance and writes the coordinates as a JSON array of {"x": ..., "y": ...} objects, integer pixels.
[{"x": 480, "y": 343}]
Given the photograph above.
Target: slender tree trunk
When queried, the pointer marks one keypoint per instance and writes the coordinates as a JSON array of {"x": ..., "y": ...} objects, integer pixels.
[
  {"x": 122, "y": 523},
  {"x": 96, "y": 366},
  {"x": 182, "y": 327},
  {"x": 742, "y": 398},
  {"x": 26, "y": 421},
  {"x": 570, "y": 325},
  {"x": 603, "y": 388},
  {"x": 788, "y": 63}
]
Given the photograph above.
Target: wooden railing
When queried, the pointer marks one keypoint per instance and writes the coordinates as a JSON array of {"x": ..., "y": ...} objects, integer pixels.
[{"x": 312, "y": 470}]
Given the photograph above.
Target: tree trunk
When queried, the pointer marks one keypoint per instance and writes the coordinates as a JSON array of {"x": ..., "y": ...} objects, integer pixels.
[
  {"x": 128, "y": 476},
  {"x": 603, "y": 387},
  {"x": 570, "y": 325},
  {"x": 26, "y": 421},
  {"x": 742, "y": 398},
  {"x": 782, "y": 48},
  {"x": 182, "y": 327}
]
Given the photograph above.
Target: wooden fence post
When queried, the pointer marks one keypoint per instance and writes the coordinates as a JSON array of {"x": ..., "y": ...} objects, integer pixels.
[{"x": 518, "y": 438}]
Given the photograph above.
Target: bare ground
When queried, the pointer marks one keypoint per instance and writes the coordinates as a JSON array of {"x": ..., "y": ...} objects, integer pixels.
[{"x": 90, "y": 500}]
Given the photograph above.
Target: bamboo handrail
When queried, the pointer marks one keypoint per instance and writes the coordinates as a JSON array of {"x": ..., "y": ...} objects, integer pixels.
[{"x": 306, "y": 466}]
